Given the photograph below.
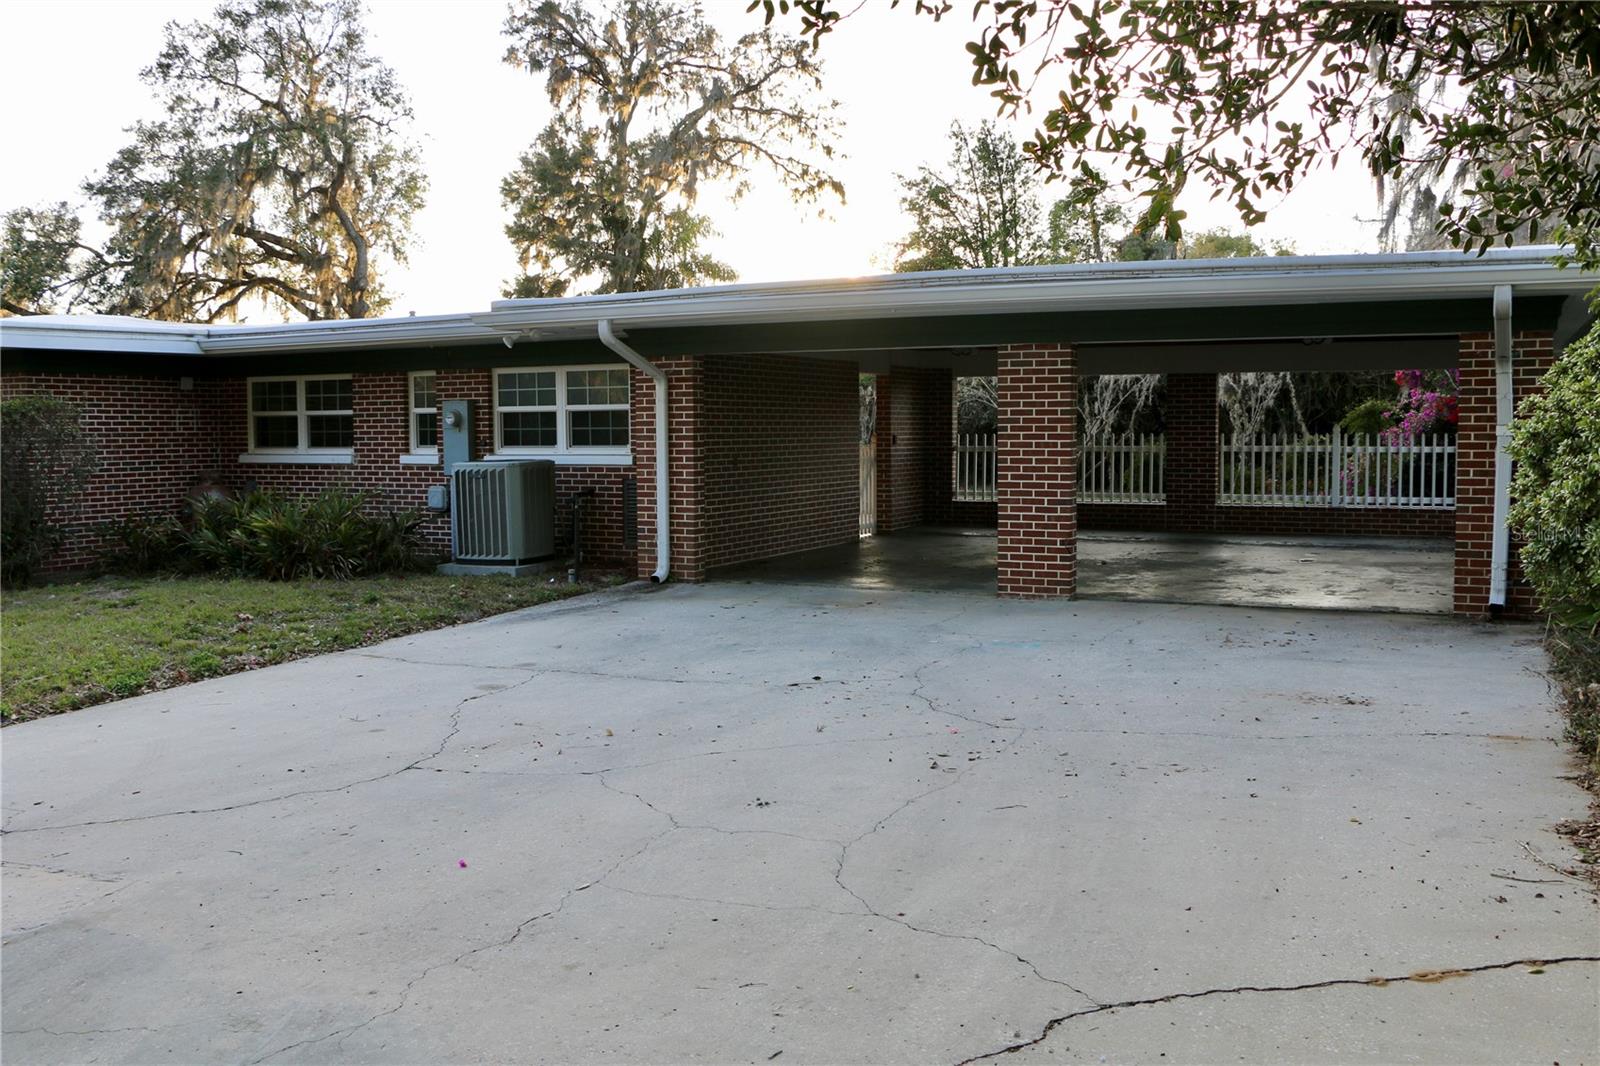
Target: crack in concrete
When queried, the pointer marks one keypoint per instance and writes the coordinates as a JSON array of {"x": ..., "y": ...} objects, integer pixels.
[
  {"x": 1340, "y": 982},
  {"x": 403, "y": 997},
  {"x": 444, "y": 742}
]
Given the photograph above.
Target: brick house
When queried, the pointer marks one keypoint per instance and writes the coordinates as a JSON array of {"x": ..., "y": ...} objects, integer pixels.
[{"x": 761, "y": 410}]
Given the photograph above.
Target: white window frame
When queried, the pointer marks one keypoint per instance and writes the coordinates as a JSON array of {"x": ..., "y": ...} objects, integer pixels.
[
  {"x": 431, "y": 450},
  {"x": 563, "y": 449},
  {"x": 302, "y": 417}
]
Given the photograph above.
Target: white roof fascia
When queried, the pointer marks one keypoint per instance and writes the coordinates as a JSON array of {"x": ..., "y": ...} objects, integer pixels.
[
  {"x": 101, "y": 333},
  {"x": 1010, "y": 290}
]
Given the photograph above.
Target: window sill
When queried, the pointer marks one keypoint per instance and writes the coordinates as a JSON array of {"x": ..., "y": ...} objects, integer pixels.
[
  {"x": 419, "y": 459},
  {"x": 298, "y": 458},
  {"x": 565, "y": 458}
]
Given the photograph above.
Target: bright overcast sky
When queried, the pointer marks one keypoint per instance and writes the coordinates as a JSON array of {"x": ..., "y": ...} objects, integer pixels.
[{"x": 899, "y": 79}]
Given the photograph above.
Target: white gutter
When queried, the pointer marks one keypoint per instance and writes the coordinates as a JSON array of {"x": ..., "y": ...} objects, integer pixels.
[
  {"x": 658, "y": 380},
  {"x": 1500, "y": 545}
]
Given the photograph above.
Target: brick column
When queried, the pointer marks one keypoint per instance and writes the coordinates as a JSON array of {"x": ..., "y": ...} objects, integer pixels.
[
  {"x": 1532, "y": 355},
  {"x": 1037, "y": 549},
  {"x": 685, "y": 416},
  {"x": 1190, "y": 416},
  {"x": 914, "y": 446}
]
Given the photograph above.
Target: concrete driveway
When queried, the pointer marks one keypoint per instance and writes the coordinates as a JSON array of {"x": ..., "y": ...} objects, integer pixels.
[{"x": 753, "y": 822}]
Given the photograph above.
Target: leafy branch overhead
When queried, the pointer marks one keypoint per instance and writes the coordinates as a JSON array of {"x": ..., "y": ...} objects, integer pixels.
[
  {"x": 276, "y": 173},
  {"x": 1243, "y": 98},
  {"x": 650, "y": 105}
]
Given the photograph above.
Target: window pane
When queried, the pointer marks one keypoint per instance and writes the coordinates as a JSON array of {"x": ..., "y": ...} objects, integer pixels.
[
  {"x": 422, "y": 394},
  {"x": 331, "y": 394},
  {"x": 272, "y": 396},
  {"x": 528, "y": 429},
  {"x": 597, "y": 387},
  {"x": 598, "y": 429},
  {"x": 330, "y": 431},
  {"x": 428, "y": 429},
  {"x": 530, "y": 389},
  {"x": 277, "y": 431}
]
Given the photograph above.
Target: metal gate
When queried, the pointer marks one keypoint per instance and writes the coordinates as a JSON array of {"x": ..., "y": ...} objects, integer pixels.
[{"x": 869, "y": 489}]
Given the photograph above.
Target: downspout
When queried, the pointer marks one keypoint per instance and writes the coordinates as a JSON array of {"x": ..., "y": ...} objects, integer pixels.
[
  {"x": 658, "y": 380},
  {"x": 1500, "y": 546}
]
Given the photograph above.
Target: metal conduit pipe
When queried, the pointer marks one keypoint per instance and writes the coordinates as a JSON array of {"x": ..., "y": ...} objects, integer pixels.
[{"x": 1500, "y": 545}]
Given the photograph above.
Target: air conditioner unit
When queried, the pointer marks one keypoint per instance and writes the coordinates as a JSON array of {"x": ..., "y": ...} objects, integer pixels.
[{"x": 503, "y": 513}]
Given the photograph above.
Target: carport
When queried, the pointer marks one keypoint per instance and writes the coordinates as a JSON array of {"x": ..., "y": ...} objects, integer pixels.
[{"x": 1497, "y": 320}]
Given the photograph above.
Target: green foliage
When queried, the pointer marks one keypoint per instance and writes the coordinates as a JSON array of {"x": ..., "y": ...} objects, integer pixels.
[
  {"x": 46, "y": 460},
  {"x": 335, "y": 534},
  {"x": 1247, "y": 98},
  {"x": 39, "y": 251},
  {"x": 1556, "y": 489},
  {"x": 981, "y": 210},
  {"x": 650, "y": 103},
  {"x": 275, "y": 173},
  {"x": 1575, "y": 664},
  {"x": 1369, "y": 417}
]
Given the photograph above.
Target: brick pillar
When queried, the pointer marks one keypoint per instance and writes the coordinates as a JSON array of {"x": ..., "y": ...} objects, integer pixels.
[
  {"x": 1037, "y": 549},
  {"x": 474, "y": 385},
  {"x": 939, "y": 445},
  {"x": 1532, "y": 355},
  {"x": 914, "y": 446},
  {"x": 685, "y": 420},
  {"x": 1190, "y": 415}
]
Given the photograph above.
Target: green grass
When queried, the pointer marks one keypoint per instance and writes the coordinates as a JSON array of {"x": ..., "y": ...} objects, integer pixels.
[{"x": 68, "y": 646}]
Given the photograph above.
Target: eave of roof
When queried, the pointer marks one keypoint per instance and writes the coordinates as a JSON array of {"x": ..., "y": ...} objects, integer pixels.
[{"x": 1002, "y": 291}]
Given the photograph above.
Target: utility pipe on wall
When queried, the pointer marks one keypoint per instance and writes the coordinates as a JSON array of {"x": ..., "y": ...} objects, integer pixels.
[
  {"x": 1500, "y": 545},
  {"x": 658, "y": 380}
]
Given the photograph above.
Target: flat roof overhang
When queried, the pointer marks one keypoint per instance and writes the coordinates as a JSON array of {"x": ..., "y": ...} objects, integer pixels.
[{"x": 1280, "y": 298}]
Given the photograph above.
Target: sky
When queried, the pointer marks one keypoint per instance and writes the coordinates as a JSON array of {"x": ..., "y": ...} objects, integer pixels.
[{"x": 899, "y": 81}]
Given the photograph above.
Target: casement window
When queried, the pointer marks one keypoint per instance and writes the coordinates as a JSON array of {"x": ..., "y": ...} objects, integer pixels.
[
  {"x": 424, "y": 413},
  {"x": 561, "y": 411},
  {"x": 310, "y": 416}
]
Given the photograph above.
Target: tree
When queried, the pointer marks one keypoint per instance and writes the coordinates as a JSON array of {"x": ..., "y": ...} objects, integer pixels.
[
  {"x": 45, "y": 268},
  {"x": 650, "y": 103},
  {"x": 277, "y": 172},
  {"x": 1246, "y": 97},
  {"x": 981, "y": 210}
]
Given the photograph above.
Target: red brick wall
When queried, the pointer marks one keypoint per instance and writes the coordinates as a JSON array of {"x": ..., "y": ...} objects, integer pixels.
[
  {"x": 1036, "y": 549},
  {"x": 914, "y": 447},
  {"x": 1298, "y": 521},
  {"x": 154, "y": 441},
  {"x": 765, "y": 459},
  {"x": 149, "y": 437},
  {"x": 1532, "y": 354},
  {"x": 1190, "y": 477}
]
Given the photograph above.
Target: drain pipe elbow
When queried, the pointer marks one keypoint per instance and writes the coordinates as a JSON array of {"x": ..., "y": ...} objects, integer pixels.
[{"x": 658, "y": 381}]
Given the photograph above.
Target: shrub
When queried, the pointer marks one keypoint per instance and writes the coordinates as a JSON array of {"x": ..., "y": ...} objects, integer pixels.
[
  {"x": 144, "y": 544},
  {"x": 1368, "y": 418},
  {"x": 1556, "y": 489},
  {"x": 330, "y": 535},
  {"x": 46, "y": 460}
]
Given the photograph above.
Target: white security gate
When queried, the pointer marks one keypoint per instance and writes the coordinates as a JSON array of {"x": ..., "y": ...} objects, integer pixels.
[{"x": 869, "y": 489}]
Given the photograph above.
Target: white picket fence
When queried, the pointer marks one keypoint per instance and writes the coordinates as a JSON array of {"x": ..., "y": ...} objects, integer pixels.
[
  {"x": 1128, "y": 469},
  {"x": 975, "y": 468},
  {"x": 1332, "y": 470},
  {"x": 1337, "y": 470}
]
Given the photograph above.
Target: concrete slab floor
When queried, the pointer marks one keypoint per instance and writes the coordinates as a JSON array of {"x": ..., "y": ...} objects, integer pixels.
[
  {"x": 735, "y": 822},
  {"x": 1339, "y": 573}
]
